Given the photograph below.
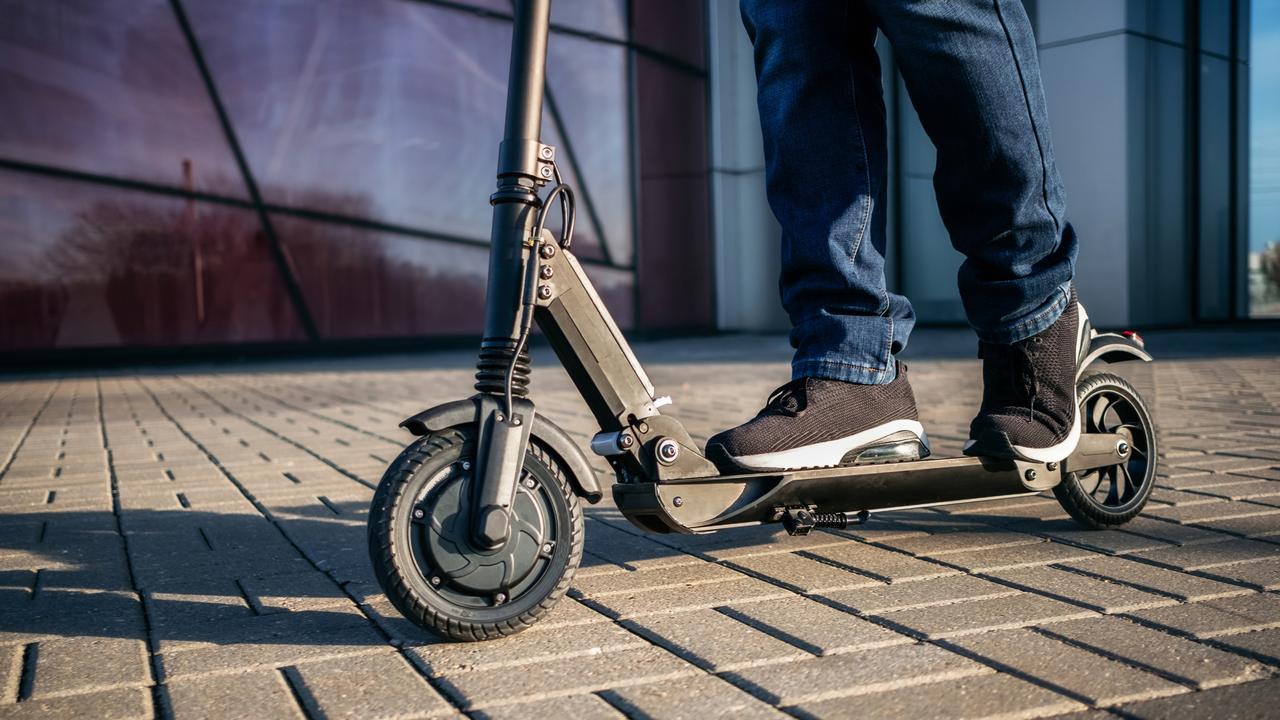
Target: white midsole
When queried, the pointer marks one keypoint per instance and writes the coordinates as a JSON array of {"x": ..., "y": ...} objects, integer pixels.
[
  {"x": 826, "y": 454},
  {"x": 1053, "y": 453}
]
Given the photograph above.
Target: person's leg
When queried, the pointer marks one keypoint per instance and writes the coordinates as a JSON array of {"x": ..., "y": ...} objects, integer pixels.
[
  {"x": 971, "y": 70},
  {"x": 823, "y": 121},
  {"x": 822, "y": 117}
]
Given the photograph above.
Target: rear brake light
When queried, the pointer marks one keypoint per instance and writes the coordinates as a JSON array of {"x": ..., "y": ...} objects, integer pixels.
[{"x": 1134, "y": 337}]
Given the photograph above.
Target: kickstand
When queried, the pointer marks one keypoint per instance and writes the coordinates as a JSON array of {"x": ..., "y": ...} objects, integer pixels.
[{"x": 799, "y": 520}]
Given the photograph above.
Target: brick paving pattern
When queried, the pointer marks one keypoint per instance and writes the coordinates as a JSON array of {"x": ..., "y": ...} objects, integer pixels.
[{"x": 190, "y": 542}]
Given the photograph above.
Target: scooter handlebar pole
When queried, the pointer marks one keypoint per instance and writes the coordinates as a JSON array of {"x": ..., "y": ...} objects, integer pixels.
[{"x": 523, "y": 166}]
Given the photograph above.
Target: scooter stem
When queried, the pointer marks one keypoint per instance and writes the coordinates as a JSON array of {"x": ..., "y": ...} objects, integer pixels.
[{"x": 524, "y": 165}]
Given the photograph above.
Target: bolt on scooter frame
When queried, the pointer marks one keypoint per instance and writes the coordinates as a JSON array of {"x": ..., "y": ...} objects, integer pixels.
[{"x": 664, "y": 484}]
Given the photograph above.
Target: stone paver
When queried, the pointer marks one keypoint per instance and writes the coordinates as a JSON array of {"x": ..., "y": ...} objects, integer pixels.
[
  {"x": 859, "y": 673},
  {"x": 580, "y": 707},
  {"x": 981, "y": 616},
  {"x": 189, "y": 543},
  {"x": 967, "y": 697},
  {"x": 700, "y": 697},
  {"x": 813, "y": 626},
  {"x": 1214, "y": 618},
  {"x": 1090, "y": 592},
  {"x": 1175, "y": 657},
  {"x": 1084, "y": 675},
  {"x": 715, "y": 641},
  {"x": 1251, "y": 700}
]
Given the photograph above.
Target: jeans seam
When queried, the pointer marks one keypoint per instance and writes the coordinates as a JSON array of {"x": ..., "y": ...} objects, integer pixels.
[
  {"x": 1031, "y": 118},
  {"x": 866, "y": 164},
  {"x": 888, "y": 346},
  {"x": 841, "y": 363}
]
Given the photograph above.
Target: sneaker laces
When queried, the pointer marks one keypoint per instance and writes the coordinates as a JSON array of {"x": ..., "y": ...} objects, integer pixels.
[
  {"x": 1016, "y": 362},
  {"x": 1028, "y": 351},
  {"x": 787, "y": 399}
]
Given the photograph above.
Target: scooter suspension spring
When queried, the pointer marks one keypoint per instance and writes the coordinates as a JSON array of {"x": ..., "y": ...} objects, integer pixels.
[
  {"x": 837, "y": 520},
  {"x": 840, "y": 520},
  {"x": 491, "y": 368}
]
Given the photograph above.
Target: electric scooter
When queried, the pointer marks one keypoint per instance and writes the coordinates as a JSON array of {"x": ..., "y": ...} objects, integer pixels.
[{"x": 476, "y": 529}]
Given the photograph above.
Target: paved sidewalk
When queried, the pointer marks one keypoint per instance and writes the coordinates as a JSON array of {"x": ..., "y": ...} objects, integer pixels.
[{"x": 190, "y": 543}]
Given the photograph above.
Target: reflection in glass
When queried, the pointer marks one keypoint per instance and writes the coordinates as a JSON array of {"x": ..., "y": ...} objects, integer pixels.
[
  {"x": 360, "y": 283},
  {"x": 109, "y": 86},
  {"x": 607, "y": 17},
  {"x": 589, "y": 81},
  {"x": 400, "y": 102},
  {"x": 90, "y": 265},
  {"x": 1264, "y": 161}
]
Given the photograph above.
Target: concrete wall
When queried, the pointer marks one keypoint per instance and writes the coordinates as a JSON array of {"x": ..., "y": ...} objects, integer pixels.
[{"x": 746, "y": 234}]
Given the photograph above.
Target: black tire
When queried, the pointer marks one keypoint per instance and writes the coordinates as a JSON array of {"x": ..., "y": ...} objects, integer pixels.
[
  {"x": 465, "y": 603},
  {"x": 1106, "y": 497}
]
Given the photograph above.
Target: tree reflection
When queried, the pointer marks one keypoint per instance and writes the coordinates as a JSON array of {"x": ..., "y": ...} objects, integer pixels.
[{"x": 166, "y": 272}]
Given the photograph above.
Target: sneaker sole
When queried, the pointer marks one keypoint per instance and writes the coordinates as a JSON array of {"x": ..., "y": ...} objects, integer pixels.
[{"x": 833, "y": 453}]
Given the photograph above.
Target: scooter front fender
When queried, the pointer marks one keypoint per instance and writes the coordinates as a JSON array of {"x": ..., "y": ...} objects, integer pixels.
[{"x": 546, "y": 433}]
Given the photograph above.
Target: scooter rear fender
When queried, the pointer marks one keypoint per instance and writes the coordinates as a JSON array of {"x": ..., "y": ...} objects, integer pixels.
[
  {"x": 548, "y": 434},
  {"x": 1113, "y": 348}
]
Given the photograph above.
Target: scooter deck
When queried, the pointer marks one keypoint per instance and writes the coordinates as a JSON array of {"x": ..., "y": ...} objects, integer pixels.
[{"x": 712, "y": 503}]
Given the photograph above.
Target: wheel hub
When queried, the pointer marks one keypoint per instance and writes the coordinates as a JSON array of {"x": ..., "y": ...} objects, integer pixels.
[{"x": 450, "y": 557}]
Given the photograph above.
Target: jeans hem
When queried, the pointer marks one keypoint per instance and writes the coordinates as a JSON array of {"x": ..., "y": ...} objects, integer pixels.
[
  {"x": 1039, "y": 320},
  {"x": 829, "y": 369}
]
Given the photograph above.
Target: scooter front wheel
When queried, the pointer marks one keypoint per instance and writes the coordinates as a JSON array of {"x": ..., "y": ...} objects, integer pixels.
[
  {"x": 429, "y": 567},
  {"x": 1112, "y": 495}
]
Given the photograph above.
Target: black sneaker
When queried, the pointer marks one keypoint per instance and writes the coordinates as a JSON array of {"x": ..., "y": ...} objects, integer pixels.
[
  {"x": 814, "y": 422},
  {"x": 1029, "y": 393}
]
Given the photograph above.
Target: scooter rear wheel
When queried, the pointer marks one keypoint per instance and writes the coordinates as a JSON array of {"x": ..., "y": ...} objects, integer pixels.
[
  {"x": 426, "y": 562},
  {"x": 1111, "y": 495}
]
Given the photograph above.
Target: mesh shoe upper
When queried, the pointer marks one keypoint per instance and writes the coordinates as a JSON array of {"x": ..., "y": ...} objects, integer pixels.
[
  {"x": 809, "y": 410},
  {"x": 1029, "y": 397}
]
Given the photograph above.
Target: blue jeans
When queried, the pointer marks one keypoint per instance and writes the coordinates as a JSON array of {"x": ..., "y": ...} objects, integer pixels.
[{"x": 971, "y": 70}]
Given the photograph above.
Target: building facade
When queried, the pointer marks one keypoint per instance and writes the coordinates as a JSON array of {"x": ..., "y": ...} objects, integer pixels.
[
  {"x": 230, "y": 172},
  {"x": 203, "y": 173}
]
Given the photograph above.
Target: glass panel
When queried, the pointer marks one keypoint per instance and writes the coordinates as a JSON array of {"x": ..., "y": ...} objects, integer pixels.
[
  {"x": 361, "y": 284},
  {"x": 589, "y": 82},
  {"x": 382, "y": 109},
  {"x": 1214, "y": 260},
  {"x": 109, "y": 86},
  {"x": 607, "y": 17},
  {"x": 1264, "y": 161},
  {"x": 95, "y": 265},
  {"x": 671, "y": 27}
]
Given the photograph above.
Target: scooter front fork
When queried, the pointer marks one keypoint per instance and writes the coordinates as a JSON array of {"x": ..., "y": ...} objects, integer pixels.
[{"x": 500, "y": 455}]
